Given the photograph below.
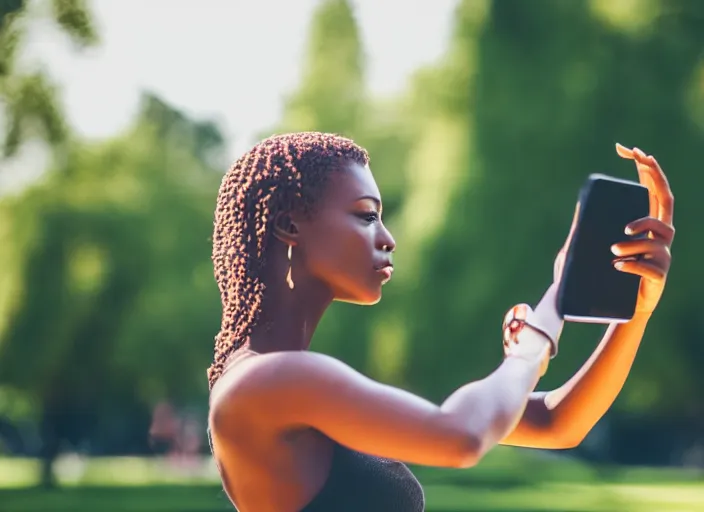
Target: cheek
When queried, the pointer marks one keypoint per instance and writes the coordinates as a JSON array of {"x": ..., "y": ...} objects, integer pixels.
[{"x": 340, "y": 247}]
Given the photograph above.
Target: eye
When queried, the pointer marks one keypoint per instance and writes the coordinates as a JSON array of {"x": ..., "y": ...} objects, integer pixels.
[{"x": 369, "y": 217}]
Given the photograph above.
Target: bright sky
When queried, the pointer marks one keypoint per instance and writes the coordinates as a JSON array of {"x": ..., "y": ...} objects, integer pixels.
[{"x": 225, "y": 59}]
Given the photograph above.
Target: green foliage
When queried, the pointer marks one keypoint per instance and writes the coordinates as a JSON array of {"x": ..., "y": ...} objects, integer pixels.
[
  {"x": 116, "y": 269},
  {"x": 73, "y": 16},
  {"x": 551, "y": 100},
  {"x": 31, "y": 110},
  {"x": 110, "y": 302},
  {"x": 331, "y": 95},
  {"x": 28, "y": 99},
  {"x": 106, "y": 288}
]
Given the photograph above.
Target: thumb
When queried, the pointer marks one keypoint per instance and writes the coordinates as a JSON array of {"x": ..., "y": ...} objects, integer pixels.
[{"x": 559, "y": 265}]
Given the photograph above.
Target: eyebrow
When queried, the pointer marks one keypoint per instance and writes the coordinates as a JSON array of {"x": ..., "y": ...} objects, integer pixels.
[{"x": 376, "y": 200}]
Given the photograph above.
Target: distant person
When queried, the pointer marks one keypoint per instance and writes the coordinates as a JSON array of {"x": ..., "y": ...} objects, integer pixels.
[
  {"x": 164, "y": 428},
  {"x": 298, "y": 225}
]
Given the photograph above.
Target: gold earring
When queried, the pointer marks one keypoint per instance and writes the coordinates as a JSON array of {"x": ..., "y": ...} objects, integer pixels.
[{"x": 289, "y": 279}]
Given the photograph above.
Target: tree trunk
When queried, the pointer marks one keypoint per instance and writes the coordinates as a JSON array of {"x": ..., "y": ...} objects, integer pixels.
[{"x": 50, "y": 442}]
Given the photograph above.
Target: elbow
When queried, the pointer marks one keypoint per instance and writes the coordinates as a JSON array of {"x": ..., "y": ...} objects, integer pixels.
[
  {"x": 569, "y": 440},
  {"x": 469, "y": 450},
  {"x": 471, "y": 445},
  {"x": 569, "y": 432},
  {"x": 562, "y": 437},
  {"x": 555, "y": 431},
  {"x": 466, "y": 445}
]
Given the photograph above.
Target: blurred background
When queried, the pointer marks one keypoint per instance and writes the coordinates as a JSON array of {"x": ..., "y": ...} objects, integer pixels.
[{"x": 482, "y": 117}]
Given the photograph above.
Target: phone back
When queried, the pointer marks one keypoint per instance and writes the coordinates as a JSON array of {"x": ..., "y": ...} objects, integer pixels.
[{"x": 592, "y": 290}]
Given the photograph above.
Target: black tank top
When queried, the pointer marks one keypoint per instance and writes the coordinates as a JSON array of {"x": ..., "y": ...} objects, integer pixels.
[{"x": 359, "y": 482}]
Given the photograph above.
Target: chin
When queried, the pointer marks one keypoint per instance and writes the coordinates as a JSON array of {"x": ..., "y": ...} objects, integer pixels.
[{"x": 365, "y": 298}]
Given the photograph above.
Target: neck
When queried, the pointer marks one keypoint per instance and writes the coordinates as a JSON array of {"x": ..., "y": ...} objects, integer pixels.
[{"x": 289, "y": 317}]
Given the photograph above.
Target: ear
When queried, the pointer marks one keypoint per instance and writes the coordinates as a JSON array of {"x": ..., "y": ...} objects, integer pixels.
[{"x": 286, "y": 228}]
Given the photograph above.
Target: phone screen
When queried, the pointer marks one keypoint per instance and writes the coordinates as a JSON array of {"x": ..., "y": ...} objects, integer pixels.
[{"x": 592, "y": 290}]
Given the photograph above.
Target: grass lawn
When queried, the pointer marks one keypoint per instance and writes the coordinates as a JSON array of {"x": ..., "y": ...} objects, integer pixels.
[
  {"x": 446, "y": 498},
  {"x": 508, "y": 480}
]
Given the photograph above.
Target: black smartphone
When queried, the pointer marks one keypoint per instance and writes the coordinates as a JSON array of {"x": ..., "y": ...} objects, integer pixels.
[{"x": 591, "y": 289}]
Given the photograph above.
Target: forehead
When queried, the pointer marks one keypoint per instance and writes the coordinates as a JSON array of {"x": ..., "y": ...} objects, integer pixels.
[{"x": 349, "y": 185}]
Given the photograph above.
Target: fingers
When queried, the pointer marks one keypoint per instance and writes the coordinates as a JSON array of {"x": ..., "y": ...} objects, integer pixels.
[
  {"x": 644, "y": 178},
  {"x": 654, "y": 204},
  {"x": 657, "y": 184},
  {"x": 646, "y": 257},
  {"x": 645, "y": 248},
  {"x": 653, "y": 177},
  {"x": 646, "y": 269},
  {"x": 660, "y": 230},
  {"x": 624, "y": 152}
]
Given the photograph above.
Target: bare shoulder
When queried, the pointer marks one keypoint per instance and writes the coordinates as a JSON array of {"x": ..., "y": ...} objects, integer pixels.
[
  {"x": 270, "y": 379},
  {"x": 287, "y": 390}
]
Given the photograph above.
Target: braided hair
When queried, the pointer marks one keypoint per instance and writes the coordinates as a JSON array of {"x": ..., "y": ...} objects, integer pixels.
[{"x": 281, "y": 173}]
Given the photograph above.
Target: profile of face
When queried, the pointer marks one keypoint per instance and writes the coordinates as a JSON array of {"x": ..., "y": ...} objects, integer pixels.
[{"x": 344, "y": 243}]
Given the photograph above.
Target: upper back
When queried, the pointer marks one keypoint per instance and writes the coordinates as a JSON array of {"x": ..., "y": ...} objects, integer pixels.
[
  {"x": 267, "y": 466},
  {"x": 262, "y": 468}
]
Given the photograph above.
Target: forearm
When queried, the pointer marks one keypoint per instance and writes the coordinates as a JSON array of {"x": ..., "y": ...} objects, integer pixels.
[
  {"x": 575, "y": 407},
  {"x": 491, "y": 408}
]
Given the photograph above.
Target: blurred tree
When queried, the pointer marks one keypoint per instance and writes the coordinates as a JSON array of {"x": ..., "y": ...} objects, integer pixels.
[
  {"x": 203, "y": 139},
  {"x": 586, "y": 85},
  {"x": 170, "y": 334},
  {"x": 106, "y": 296},
  {"x": 549, "y": 95},
  {"x": 434, "y": 228},
  {"x": 28, "y": 98},
  {"x": 110, "y": 298},
  {"x": 497, "y": 213},
  {"x": 660, "y": 60},
  {"x": 331, "y": 95}
]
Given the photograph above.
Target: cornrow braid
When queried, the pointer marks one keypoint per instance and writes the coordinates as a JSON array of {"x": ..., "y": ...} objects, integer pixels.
[{"x": 281, "y": 173}]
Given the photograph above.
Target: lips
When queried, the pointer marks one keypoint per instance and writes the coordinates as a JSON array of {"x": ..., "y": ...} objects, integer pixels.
[{"x": 386, "y": 271}]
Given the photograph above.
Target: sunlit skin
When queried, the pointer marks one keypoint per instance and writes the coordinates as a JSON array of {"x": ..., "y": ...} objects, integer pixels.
[
  {"x": 274, "y": 413},
  {"x": 563, "y": 417}
]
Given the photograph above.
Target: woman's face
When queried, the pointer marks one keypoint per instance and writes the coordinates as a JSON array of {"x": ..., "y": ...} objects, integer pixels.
[{"x": 344, "y": 244}]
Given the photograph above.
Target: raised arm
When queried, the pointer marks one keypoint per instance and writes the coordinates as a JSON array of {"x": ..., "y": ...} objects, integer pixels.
[
  {"x": 563, "y": 417},
  {"x": 285, "y": 390}
]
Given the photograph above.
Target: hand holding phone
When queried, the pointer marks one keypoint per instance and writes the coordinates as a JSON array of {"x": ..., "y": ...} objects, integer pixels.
[{"x": 610, "y": 274}]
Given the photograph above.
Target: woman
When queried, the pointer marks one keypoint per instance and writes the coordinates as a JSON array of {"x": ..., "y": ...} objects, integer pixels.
[{"x": 297, "y": 226}]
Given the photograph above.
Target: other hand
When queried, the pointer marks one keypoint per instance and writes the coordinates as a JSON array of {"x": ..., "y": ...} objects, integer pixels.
[{"x": 650, "y": 257}]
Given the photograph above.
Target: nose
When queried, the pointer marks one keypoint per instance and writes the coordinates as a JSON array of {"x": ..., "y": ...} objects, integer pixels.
[{"x": 386, "y": 242}]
